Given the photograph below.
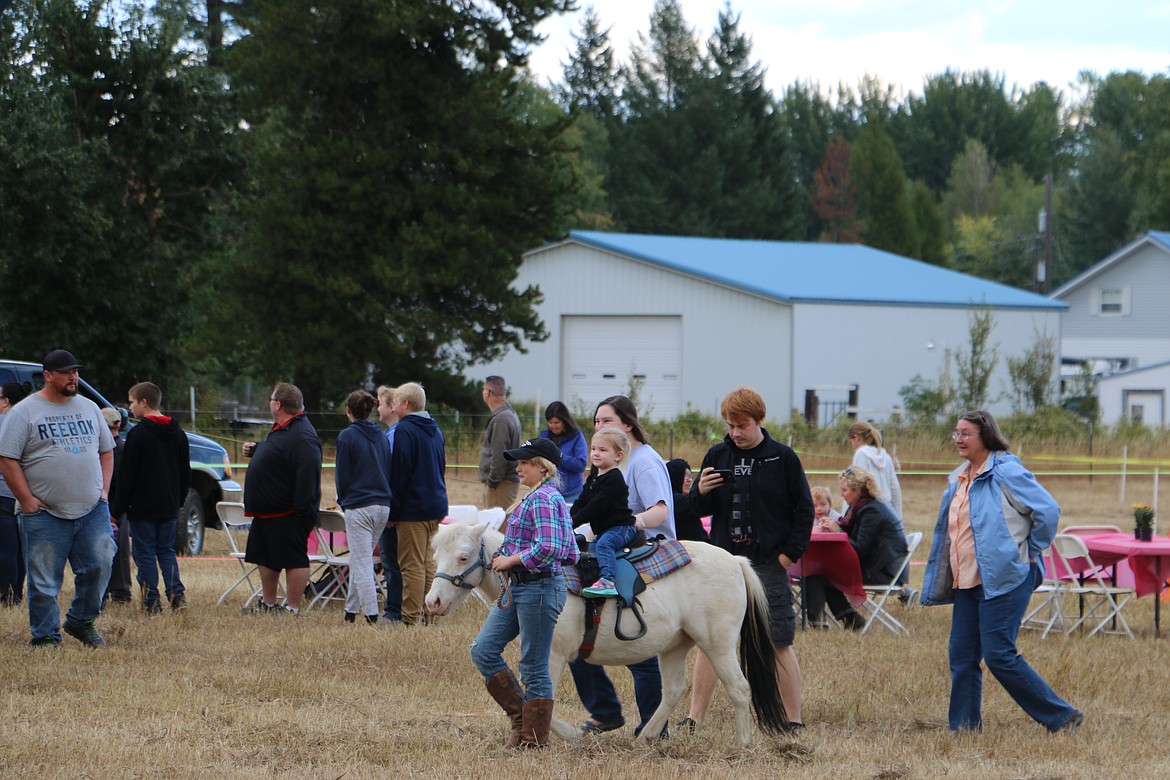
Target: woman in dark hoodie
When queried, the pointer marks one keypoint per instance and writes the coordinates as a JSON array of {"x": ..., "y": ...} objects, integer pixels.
[
  {"x": 363, "y": 491},
  {"x": 687, "y": 523}
]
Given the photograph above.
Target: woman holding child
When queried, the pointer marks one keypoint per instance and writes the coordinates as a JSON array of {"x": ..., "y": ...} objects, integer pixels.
[
  {"x": 651, "y": 501},
  {"x": 875, "y": 535}
]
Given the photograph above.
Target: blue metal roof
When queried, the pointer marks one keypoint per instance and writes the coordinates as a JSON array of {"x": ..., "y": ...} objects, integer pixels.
[
  {"x": 1161, "y": 237},
  {"x": 824, "y": 273}
]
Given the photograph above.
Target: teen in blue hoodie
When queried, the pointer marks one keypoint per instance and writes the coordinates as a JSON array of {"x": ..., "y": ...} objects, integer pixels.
[
  {"x": 363, "y": 491},
  {"x": 417, "y": 477}
]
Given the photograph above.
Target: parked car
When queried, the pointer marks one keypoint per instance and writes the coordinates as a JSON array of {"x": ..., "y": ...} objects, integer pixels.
[{"x": 211, "y": 474}]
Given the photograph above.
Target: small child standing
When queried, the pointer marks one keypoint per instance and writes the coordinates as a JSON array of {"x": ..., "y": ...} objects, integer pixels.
[
  {"x": 604, "y": 504},
  {"x": 154, "y": 476}
]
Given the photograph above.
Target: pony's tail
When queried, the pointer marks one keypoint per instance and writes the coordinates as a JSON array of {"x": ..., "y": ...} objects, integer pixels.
[{"x": 757, "y": 655}]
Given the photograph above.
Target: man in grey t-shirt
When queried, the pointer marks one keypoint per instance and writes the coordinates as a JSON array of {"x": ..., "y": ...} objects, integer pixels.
[{"x": 56, "y": 454}]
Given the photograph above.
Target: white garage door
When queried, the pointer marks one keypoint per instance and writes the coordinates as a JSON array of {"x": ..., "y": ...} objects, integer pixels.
[{"x": 600, "y": 356}]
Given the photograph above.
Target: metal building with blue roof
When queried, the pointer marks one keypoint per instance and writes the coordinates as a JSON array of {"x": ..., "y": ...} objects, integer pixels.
[{"x": 684, "y": 320}]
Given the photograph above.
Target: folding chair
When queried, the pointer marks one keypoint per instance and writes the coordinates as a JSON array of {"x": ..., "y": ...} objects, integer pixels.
[
  {"x": 1101, "y": 602},
  {"x": 1050, "y": 611},
  {"x": 1091, "y": 530},
  {"x": 231, "y": 516},
  {"x": 334, "y": 563},
  {"x": 874, "y": 607}
]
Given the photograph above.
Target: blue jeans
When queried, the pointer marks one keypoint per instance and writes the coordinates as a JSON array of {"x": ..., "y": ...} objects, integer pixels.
[
  {"x": 599, "y": 697},
  {"x": 986, "y": 629},
  {"x": 532, "y": 614},
  {"x": 49, "y": 542},
  {"x": 607, "y": 545},
  {"x": 153, "y": 546},
  {"x": 11, "y": 555},
  {"x": 388, "y": 551}
]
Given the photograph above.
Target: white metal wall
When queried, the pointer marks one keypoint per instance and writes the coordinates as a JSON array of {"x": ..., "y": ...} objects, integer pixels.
[
  {"x": 881, "y": 348},
  {"x": 728, "y": 338}
]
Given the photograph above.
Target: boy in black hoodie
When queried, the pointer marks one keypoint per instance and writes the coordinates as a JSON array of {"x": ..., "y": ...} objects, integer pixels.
[{"x": 153, "y": 478}]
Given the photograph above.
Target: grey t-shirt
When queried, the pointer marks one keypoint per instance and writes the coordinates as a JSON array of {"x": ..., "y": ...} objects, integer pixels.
[
  {"x": 649, "y": 483},
  {"x": 59, "y": 448}
]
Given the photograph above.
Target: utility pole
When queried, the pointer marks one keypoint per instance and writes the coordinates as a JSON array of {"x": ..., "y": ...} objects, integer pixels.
[{"x": 1046, "y": 282}]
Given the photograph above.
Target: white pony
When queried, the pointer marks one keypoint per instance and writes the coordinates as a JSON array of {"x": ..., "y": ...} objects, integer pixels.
[{"x": 713, "y": 602}]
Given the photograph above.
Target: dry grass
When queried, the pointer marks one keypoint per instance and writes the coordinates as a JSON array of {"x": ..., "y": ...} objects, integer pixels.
[{"x": 214, "y": 693}]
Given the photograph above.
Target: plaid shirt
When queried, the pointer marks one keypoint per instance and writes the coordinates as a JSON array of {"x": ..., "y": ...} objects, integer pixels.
[{"x": 541, "y": 531}]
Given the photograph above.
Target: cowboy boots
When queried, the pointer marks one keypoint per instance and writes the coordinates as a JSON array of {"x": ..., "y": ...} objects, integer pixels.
[
  {"x": 537, "y": 720},
  {"x": 506, "y": 691}
]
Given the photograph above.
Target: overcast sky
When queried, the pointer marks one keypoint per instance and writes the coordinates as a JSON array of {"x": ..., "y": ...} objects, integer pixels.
[{"x": 902, "y": 41}]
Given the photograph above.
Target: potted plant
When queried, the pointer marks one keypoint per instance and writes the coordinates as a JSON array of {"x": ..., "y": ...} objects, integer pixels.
[{"x": 1143, "y": 522}]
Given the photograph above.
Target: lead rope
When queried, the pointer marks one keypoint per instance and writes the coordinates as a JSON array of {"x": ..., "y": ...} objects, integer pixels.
[{"x": 504, "y": 600}]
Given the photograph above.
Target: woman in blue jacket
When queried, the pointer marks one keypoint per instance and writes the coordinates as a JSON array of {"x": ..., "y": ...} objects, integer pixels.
[
  {"x": 994, "y": 524},
  {"x": 363, "y": 491},
  {"x": 563, "y": 431}
]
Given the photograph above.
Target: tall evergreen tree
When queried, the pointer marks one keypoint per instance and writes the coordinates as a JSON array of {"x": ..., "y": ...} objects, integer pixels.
[
  {"x": 590, "y": 76},
  {"x": 118, "y": 148},
  {"x": 701, "y": 148},
  {"x": 887, "y": 221},
  {"x": 402, "y": 169}
]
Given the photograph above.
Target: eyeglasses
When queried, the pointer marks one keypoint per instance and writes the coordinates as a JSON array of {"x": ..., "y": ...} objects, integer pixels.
[{"x": 961, "y": 435}]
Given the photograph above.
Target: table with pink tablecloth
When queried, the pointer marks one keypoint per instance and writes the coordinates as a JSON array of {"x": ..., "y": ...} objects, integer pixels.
[
  {"x": 831, "y": 556},
  {"x": 1149, "y": 562}
]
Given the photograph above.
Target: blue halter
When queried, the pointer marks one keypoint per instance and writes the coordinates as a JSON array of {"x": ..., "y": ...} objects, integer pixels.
[{"x": 460, "y": 580}]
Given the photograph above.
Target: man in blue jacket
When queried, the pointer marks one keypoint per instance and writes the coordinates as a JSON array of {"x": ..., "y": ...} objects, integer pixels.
[{"x": 418, "y": 464}]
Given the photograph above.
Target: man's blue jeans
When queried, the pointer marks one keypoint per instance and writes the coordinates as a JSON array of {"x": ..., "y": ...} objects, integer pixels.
[
  {"x": 600, "y": 698},
  {"x": 388, "y": 552},
  {"x": 986, "y": 629},
  {"x": 532, "y": 614},
  {"x": 153, "y": 547},
  {"x": 87, "y": 545}
]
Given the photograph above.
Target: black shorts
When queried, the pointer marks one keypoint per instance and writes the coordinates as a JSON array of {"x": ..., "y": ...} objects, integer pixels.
[
  {"x": 781, "y": 613},
  {"x": 279, "y": 543}
]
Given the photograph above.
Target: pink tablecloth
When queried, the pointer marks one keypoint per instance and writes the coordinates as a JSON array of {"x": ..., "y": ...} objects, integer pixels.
[
  {"x": 831, "y": 556},
  {"x": 1149, "y": 561}
]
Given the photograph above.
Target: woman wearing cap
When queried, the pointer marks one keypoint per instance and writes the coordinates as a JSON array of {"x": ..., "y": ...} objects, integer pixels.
[
  {"x": 11, "y": 556},
  {"x": 538, "y": 538}
]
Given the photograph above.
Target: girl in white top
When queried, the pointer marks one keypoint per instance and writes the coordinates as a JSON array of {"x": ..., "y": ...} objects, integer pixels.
[{"x": 869, "y": 455}]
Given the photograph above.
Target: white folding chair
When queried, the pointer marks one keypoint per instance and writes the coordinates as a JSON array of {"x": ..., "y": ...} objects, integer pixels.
[
  {"x": 1101, "y": 602},
  {"x": 334, "y": 563},
  {"x": 231, "y": 517},
  {"x": 873, "y": 609},
  {"x": 1049, "y": 613}
]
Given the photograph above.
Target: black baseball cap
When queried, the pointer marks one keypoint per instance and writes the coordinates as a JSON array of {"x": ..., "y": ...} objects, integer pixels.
[
  {"x": 532, "y": 448},
  {"x": 60, "y": 360}
]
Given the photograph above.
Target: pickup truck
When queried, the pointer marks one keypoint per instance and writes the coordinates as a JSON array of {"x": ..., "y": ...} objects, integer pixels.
[{"x": 211, "y": 474}]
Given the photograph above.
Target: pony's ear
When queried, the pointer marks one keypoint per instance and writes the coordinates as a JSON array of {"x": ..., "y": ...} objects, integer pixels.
[{"x": 476, "y": 531}]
